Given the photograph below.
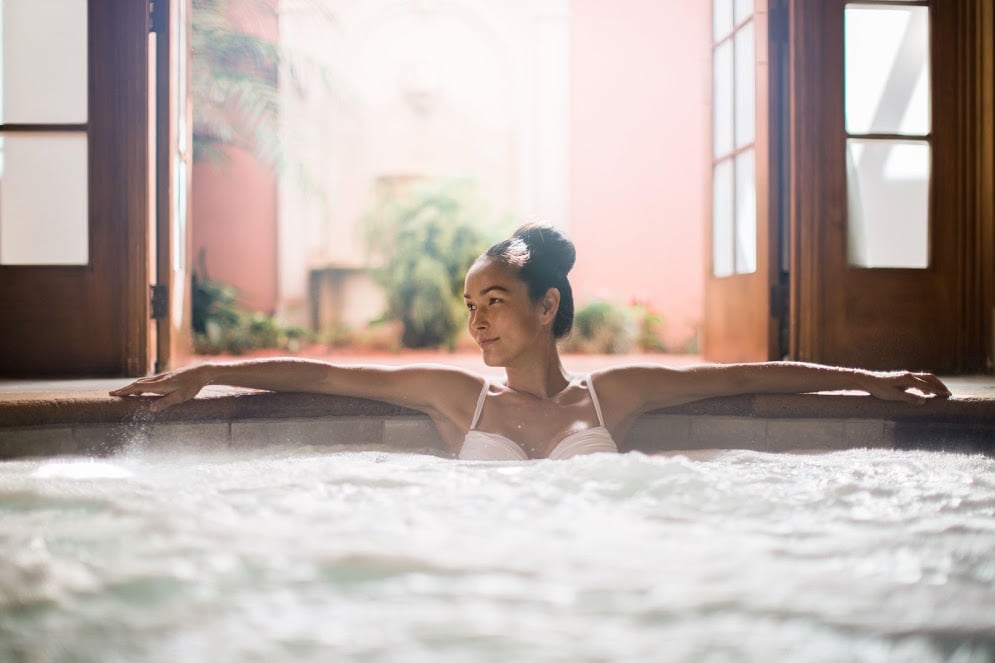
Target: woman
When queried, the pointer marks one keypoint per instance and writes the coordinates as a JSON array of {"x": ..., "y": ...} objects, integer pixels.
[{"x": 520, "y": 303}]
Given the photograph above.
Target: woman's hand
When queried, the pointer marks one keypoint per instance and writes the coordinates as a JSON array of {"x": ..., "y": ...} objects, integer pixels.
[
  {"x": 904, "y": 386},
  {"x": 173, "y": 387}
]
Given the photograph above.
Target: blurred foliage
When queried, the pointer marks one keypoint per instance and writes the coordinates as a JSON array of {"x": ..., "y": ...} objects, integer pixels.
[
  {"x": 649, "y": 327},
  {"x": 222, "y": 326},
  {"x": 603, "y": 327},
  {"x": 233, "y": 80},
  {"x": 421, "y": 241},
  {"x": 235, "y": 76}
]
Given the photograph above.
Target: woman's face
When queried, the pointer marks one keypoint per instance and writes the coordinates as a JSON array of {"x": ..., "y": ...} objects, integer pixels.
[{"x": 503, "y": 320}]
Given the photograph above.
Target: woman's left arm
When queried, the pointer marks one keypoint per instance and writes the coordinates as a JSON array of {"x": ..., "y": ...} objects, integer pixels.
[{"x": 659, "y": 386}]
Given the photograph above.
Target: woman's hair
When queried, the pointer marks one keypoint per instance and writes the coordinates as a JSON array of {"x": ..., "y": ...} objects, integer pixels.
[{"x": 542, "y": 256}]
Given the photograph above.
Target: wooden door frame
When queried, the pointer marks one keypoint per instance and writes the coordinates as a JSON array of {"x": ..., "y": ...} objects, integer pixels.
[
  {"x": 975, "y": 90},
  {"x": 741, "y": 321},
  {"x": 808, "y": 211},
  {"x": 818, "y": 216},
  {"x": 119, "y": 171},
  {"x": 173, "y": 336}
]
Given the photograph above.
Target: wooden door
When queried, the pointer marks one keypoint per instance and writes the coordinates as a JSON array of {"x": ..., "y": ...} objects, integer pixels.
[
  {"x": 743, "y": 307},
  {"x": 884, "y": 134},
  {"x": 74, "y": 216}
]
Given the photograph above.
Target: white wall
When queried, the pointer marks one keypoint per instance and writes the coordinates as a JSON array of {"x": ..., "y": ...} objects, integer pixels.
[{"x": 438, "y": 88}]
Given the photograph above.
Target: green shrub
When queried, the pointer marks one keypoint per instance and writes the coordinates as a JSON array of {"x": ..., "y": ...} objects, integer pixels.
[
  {"x": 220, "y": 325},
  {"x": 649, "y": 326},
  {"x": 420, "y": 244},
  {"x": 606, "y": 328},
  {"x": 600, "y": 327},
  {"x": 212, "y": 302}
]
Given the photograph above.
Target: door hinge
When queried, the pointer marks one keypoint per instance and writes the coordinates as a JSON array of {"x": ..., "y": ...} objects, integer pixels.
[
  {"x": 778, "y": 301},
  {"x": 159, "y": 301}
]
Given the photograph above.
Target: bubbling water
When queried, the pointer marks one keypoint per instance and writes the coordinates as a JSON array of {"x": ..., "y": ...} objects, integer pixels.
[{"x": 311, "y": 554}]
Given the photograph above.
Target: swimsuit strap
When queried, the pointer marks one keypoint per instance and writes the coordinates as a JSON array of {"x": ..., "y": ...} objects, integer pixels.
[
  {"x": 594, "y": 399},
  {"x": 480, "y": 403}
]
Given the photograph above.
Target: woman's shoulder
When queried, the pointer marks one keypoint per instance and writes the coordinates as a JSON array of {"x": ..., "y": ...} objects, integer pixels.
[
  {"x": 451, "y": 394},
  {"x": 443, "y": 377},
  {"x": 450, "y": 387},
  {"x": 631, "y": 374},
  {"x": 637, "y": 385}
]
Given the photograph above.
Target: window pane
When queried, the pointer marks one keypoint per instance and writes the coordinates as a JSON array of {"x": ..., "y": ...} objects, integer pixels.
[
  {"x": 44, "y": 61},
  {"x": 721, "y": 18},
  {"x": 888, "y": 203},
  {"x": 743, "y": 10},
  {"x": 746, "y": 213},
  {"x": 37, "y": 227},
  {"x": 722, "y": 221},
  {"x": 722, "y": 113},
  {"x": 745, "y": 86},
  {"x": 181, "y": 77},
  {"x": 887, "y": 69},
  {"x": 179, "y": 223}
]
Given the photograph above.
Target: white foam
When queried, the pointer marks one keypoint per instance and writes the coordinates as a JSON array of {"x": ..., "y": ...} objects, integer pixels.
[
  {"x": 81, "y": 469},
  {"x": 307, "y": 555}
]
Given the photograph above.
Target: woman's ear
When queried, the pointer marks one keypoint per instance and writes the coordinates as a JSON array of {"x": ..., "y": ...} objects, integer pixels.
[{"x": 549, "y": 305}]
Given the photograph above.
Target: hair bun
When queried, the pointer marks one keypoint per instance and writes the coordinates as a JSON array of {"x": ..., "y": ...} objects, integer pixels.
[
  {"x": 542, "y": 256},
  {"x": 548, "y": 246}
]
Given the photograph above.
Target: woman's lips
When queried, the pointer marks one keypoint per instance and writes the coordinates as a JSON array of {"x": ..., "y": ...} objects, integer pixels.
[{"x": 486, "y": 341}]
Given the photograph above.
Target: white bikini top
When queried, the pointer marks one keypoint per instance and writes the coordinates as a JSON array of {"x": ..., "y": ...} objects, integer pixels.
[{"x": 480, "y": 445}]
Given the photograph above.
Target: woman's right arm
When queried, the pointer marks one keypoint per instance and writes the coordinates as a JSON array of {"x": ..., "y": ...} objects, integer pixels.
[{"x": 428, "y": 388}]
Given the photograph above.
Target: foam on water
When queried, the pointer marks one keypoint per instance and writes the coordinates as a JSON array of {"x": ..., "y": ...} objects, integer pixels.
[{"x": 307, "y": 554}]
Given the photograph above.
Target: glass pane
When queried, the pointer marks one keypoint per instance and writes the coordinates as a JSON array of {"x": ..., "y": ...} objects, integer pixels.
[
  {"x": 722, "y": 113},
  {"x": 181, "y": 77},
  {"x": 722, "y": 230},
  {"x": 44, "y": 60},
  {"x": 179, "y": 224},
  {"x": 888, "y": 203},
  {"x": 744, "y": 8},
  {"x": 721, "y": 18},
  {"x": 36, "y": 227},
  {"x": 745, "y": 86},
  {"x": 887, "y": 69},
  {"x": 746, "y": 213}
]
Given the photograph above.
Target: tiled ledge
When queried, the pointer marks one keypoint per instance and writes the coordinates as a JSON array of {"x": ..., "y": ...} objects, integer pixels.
[{"x": 90, "y": 422}]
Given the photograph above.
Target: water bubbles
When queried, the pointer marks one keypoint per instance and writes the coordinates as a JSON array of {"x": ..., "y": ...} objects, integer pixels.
[
  {"x": 596, "y": 557},
  {"x": 81, "y": 468}
]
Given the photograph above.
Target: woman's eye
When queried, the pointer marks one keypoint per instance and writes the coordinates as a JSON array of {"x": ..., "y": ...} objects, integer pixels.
[
  {"x": 494, "y": 300},
  {"x": 471, "y": 307}
]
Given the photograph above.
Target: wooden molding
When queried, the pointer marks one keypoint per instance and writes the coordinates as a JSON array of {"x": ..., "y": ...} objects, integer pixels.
[
  {"x": 938, "y": 318},
  {"x": 806, "y": 143}
]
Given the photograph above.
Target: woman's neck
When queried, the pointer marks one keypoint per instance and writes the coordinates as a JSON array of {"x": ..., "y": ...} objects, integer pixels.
[{"x": 541, "y": 375}]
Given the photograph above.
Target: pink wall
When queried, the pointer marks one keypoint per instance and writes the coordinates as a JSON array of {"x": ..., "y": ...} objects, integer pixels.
[
  {"x": 234, "y": 199},
  {"x": 639, "y": 122},
  {"x": 639, "y": 128},
  {"x": 234, "y": 222}
]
